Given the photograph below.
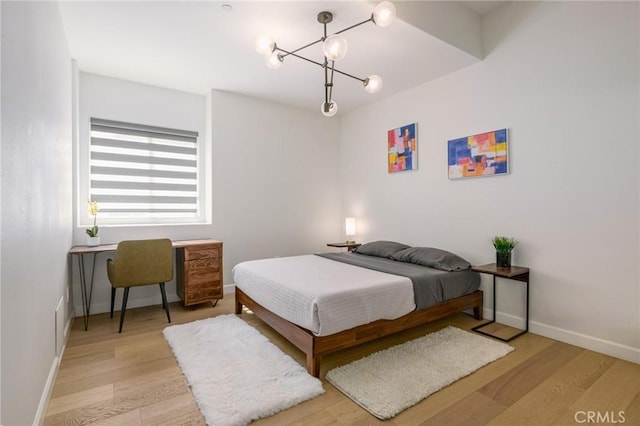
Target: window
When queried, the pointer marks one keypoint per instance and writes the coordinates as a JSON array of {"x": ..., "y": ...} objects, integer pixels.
[{"x": 142, "y": 173}]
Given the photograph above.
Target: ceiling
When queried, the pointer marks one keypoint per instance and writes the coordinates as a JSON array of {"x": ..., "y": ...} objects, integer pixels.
[{"x": 196, "y": 46}]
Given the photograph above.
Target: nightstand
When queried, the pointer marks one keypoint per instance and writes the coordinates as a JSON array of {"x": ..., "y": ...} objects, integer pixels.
[
  {"x": 516, "y": 273},
  {"x": 350, "y": 245}
]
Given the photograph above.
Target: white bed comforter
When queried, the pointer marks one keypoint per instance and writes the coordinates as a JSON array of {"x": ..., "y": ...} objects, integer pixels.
[{"x": 322, "y": 295}]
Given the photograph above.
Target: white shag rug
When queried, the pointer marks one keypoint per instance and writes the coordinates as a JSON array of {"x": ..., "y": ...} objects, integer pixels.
[
  {"x": 390, "y": 381},
  {"x": 236, "y": 374}
]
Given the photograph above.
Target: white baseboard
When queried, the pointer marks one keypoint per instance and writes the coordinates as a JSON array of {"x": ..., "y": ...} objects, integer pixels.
[
  {"x": 595, "y": 344},
  {"x": 98, "y": 308},
  {"x": 51, "y": 379}
]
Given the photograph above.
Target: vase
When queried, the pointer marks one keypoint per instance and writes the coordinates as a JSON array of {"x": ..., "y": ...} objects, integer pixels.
[
  {"x": 503, "y": 259},
  {"x": 93, "y": 241}
]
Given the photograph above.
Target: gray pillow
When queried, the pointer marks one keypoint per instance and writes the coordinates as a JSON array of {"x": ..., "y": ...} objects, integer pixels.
[
  {"x": 433, "y": 258},
  {"x": 380, "y": 248}
]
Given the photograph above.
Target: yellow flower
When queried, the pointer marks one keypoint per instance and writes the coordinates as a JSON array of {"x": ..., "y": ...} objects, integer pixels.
[
  {"x": 93, "y": 208},
  {"x": 93, "y": 211}
]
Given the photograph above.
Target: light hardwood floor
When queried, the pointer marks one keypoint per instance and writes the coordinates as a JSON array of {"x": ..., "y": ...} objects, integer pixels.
[{"x": 106, "y": 378}]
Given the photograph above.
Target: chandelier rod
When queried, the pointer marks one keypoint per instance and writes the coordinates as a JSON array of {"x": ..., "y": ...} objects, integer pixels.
[
  {"x": 356, "y": 25},
  {"x": 317, "y": 63},
  {"x": 303, "y": 47},
  {"x": 325, "y": 36}
]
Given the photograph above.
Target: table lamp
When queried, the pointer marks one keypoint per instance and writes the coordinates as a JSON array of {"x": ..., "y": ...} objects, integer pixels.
[{"x": 350, "y": 228}]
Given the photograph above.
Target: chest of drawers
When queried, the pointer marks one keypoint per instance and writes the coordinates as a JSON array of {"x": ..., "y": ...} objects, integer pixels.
[{"x": 199, "y": 272}]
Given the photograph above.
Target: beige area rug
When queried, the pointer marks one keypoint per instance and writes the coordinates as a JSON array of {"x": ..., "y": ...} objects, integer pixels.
[
  {"x": 390, "y": 381},
  {"x": 236, "y": 374}
]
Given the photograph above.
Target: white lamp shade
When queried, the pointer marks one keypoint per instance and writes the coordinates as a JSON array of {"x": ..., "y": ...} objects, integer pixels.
[
  {"x": 273, "y": 60},
  {"x": 373, "y": 84},
  {"x": 335, "y": 47},
  {"x": 329, "y": 109},
  {"x": 350, "y": 226},
  {"x": 384, "y": 14},
  {"x": 264, "y": 44}
]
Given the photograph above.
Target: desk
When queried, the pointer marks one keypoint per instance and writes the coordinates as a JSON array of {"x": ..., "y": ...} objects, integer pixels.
[
  {"x": 516, "y": 273},
  {"x": 80, "y": 251}
]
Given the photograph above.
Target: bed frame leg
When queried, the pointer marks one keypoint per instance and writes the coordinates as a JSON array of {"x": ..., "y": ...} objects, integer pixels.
[
  {"x": 477, "y": 313},
  {"x": 238, "y": 308},
  {"x": 313, "y": 365}
]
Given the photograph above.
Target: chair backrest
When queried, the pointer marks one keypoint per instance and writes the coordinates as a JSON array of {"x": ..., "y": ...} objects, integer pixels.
[{"x": 141, "y": 262}]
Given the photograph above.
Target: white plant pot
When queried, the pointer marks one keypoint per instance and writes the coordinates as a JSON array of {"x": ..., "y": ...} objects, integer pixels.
[{"x": 93, "y": 241}]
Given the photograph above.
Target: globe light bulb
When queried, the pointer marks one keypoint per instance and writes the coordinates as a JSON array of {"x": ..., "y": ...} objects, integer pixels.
[
  {"x": 264, "y": 44},
  {"x": 335, "y": 47},
  {"x": 373, "y": 84},
  {"x": 274, "y": 60},
  {"x": 329, "y": 109},
  {"x": 384, "y": 14}
]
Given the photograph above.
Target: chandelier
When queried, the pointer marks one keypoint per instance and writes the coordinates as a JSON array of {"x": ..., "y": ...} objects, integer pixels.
[{"x": 334, "y": 47}]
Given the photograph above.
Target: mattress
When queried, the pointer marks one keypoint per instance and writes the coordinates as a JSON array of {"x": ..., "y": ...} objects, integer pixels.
[{"x": 322, "y": 295}]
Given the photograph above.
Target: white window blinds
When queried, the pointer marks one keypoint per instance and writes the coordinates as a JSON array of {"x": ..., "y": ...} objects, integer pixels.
[{"x": 140, "y": 171}]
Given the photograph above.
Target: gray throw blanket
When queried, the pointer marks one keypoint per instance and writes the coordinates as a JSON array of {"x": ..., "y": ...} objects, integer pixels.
[{"x": 430, "y": 285}]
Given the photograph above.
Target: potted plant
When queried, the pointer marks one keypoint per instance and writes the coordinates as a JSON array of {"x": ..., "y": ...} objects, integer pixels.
[
  {"x": 93, "y": 239},
  {"x": 504, "y": 246}
]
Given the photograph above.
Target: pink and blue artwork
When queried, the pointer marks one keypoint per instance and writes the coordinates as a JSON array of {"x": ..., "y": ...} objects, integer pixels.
[
  {"x": 484, "y": 154},
  {"x": 402, "y": 148}
]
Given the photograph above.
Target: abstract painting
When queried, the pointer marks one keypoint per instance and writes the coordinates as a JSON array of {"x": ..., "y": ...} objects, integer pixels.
[
  {"x": 485, "y": 154},
  {"x": 402, "y": 148}
]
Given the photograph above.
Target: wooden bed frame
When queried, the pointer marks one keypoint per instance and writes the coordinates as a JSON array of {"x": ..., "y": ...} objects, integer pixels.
[{"x": 316, "y": 346}]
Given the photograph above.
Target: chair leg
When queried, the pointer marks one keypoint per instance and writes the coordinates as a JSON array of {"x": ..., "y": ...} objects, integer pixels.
[
  {"x": 113, "y": 299},
  {"x": 124, "y": 307},
  {"x": 165, "y": 305}
]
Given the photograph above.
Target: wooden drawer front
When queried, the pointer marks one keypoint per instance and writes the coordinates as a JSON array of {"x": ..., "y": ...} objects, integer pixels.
[
  {"x": 203, "y": 294},
  {"x": 198, "y": 274},
  {"x": 208, "y": 263},
  {"x": 203, "y": 281},
  {"x": 201, "y": 252}
]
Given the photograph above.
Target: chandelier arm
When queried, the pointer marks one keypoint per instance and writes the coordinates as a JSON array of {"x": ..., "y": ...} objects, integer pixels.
[
  {"x": 327, "y": 95},
  {"x": 300, "y": 48},
  {"x": 286, "y": 53},
  {"x": 325, "y": 36},
  {"x": 349, "y": 75},
  {"x": 318, "y": 63},
  {"x": 331, "y": 81},
  {"x": 355, "y": 25}
]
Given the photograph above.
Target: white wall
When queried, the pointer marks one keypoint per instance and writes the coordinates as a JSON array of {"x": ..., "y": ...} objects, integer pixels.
[
  {"x": 36, "y": 201},
  {"x": 274, "y": 180},
  {"x": 115, "y": 99},
  {"x": 563, "y": 77}
]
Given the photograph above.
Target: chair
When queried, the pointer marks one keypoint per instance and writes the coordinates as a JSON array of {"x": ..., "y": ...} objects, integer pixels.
[{"x": 138, "y": 263}]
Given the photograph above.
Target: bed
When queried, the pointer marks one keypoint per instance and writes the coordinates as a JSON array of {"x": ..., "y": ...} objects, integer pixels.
[{"x": 331, "y": 301}]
